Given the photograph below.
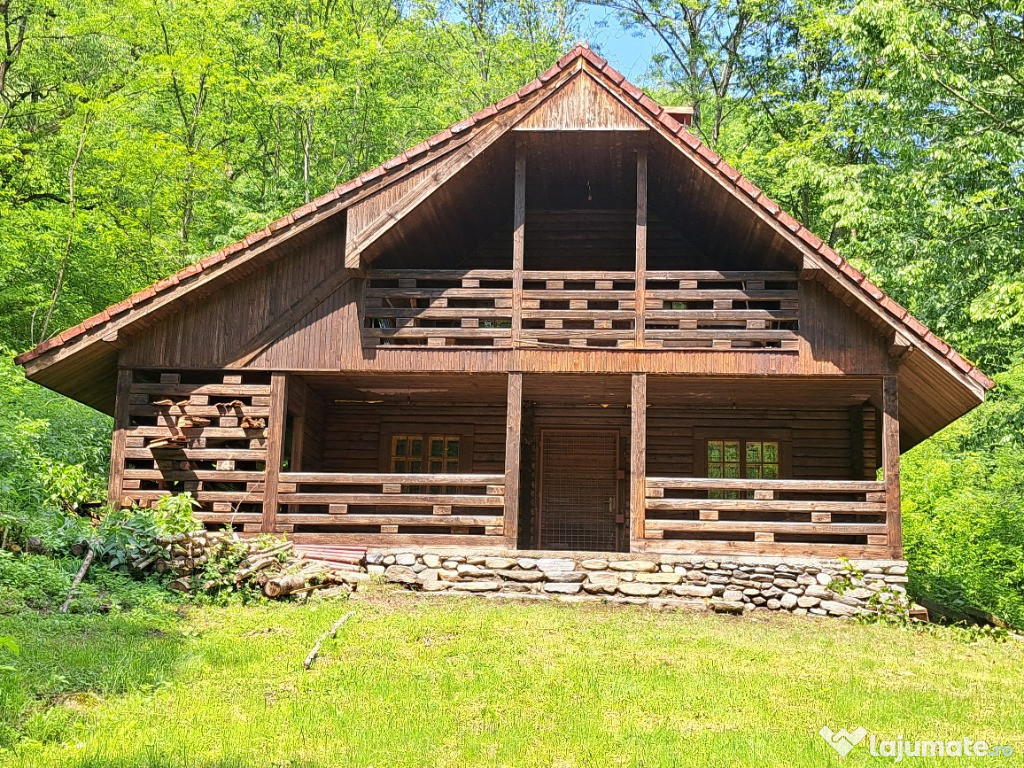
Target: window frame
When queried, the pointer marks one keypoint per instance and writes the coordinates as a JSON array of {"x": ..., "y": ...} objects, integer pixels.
[
  {"x": 742, "y": 435},
  {"x": 425, "y": 431}
]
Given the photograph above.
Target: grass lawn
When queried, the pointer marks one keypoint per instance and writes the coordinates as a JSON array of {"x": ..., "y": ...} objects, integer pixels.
[{"x": 471, "y": 682}]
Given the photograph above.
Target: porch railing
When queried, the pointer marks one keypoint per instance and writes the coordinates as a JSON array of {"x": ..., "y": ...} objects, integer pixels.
[
  {"x": 799, "y": 512},
  {"x": 681, "y": 309},
  {"x": 391, "y": 503}
]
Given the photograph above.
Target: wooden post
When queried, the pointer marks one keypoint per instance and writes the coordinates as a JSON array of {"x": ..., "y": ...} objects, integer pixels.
[
  {"x": 641, "y": 243},
  {"x": 513, "y": 451},
  {"x": 638, "y": 457},
  {"x": 122, "y": 409},
  {"x": 518, "y": 244},
  {"x": 275, "y": 447},
  {"x": 891, "y": 464}
]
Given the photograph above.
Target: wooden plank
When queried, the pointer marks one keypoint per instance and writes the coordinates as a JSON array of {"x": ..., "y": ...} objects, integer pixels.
[
  {"x": 638, "y": 455},
  {"x": 807, "y": 486},
  {"x": 229, "y": 517},
  {"x": 398, "y": 500},
  {"x": 518, "y": 242},
  {"x": 750, "y": 526},
  {"x": 354, "y": 478},
  {"x": 513, "y": 452},
  {"x": 723, "y": 276},
  {"x": 195, "y": 454},
  {"x": 788, "y": 548},
  {"x": 455, "y": 275},
  {"x": 446, "y": 521},
  {"x": 185, "y": 390},
  {"x": 275, "y": 447},
  {"x": 759, "y": 505},
  {"x": 891, "y": 464},
  {"x": 641, "y": 243},
  {"x": 476, "y": 541},
  {"x": 118, "y": 447},
  {"x": 201, "y": 475}
]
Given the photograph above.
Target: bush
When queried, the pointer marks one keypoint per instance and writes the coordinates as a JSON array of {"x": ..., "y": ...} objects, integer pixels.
[
  {"x": 54, "y": 456},
  {"x": 963, "y": 507}
]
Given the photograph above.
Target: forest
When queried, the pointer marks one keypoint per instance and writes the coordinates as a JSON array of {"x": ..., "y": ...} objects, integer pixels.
[{"x": 138, "y": 135}]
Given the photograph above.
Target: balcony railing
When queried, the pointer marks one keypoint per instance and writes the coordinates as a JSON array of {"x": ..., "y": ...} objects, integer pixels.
[
  {"x": 682, "y": 309},
  {"x": 797, "y": 512},
  {"x": 391, "y": 503}
]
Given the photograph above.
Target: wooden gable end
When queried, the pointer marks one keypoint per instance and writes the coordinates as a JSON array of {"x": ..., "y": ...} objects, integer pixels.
[
  {"x": 583, "y": 104},
  {"x": 270, "y": 318}
]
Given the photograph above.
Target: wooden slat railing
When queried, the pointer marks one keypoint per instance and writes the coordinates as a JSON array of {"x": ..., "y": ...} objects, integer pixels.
[
  {"x": 438, "y": 308},
  {"x": 579, "y": 309},
  {"x": 797, "y": 512},
  {"x": 721, "y": 310},
  {"x": 392, "y": 503},
  {"x": 682, "y": 309}
]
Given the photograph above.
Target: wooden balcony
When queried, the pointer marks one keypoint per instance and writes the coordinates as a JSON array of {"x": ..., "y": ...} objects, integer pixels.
[
  {"x": 665, "y": 309},
  {"x": 716, "y": 514}
]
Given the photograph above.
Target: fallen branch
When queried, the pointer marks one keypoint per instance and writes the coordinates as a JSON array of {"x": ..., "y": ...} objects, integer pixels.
[
  {"x": 332, "y": 633},
  {"x": 78, "y": 579}
]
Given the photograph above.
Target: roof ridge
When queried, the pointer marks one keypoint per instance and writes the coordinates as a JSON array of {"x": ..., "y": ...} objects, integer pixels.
[{"x": 580, "y": 50}]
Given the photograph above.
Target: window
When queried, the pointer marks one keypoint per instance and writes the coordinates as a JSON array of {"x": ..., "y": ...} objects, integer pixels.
[
  {"x": 741, "y": 458},
  {"x": 422, "y": 454}
]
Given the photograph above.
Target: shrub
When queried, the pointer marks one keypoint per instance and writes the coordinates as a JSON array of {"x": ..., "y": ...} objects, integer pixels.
[{"x": 963, "y": 507}]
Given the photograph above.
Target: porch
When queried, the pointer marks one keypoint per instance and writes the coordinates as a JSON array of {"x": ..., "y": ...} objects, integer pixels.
[
  {"x": 553, "y": 462},
  {"x": 600, "y": 463}
]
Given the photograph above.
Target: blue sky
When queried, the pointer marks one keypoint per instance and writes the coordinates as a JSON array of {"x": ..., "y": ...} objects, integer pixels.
[{"x": 627, "y": 50}]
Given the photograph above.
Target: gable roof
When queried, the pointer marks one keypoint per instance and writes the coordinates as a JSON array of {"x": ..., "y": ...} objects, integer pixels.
[{"x": 172, "y": 293}]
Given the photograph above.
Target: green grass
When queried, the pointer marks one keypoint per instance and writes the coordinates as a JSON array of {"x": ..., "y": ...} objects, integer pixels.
[{"x": 470, "y": 682}]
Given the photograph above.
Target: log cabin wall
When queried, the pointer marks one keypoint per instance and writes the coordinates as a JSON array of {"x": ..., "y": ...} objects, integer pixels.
[{"x": 821, "y": 440}]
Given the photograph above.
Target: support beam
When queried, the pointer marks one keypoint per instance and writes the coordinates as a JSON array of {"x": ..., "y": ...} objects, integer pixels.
[
  {"x": 891, "y": 464},
  {"x": 638, "y": 458},
  {"x": 118, "y": 445},
  {"x": 518, "y": 244},
  {"x": 513, "y": 453},
  {"x": 641, "y": 243},
  {"x": 275, "y": 448}
]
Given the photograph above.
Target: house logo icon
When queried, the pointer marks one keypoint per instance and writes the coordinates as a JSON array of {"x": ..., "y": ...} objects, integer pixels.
[{"x": 842, "y": 741}]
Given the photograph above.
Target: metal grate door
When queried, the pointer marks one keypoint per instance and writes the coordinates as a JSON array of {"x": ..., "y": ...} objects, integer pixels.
[{"x": 578, "y": 490}]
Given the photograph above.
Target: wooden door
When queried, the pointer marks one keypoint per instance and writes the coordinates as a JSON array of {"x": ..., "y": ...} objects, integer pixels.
[{"x": 578, "y": 493}]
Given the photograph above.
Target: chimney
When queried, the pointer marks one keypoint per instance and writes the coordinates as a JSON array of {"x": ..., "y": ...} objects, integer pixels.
[{"x": 682, "y": 115}]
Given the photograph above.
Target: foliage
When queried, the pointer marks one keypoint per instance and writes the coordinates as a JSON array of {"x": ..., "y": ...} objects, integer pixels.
[
  {"x": 126, "y": 536},
  {"x": 963, "y": 508},
  {"x": 54, "y": 455},
  {"x": 475, "y": 682},
  {"x": 40, "y": 583},
  {"x": 137, "y": 135}
]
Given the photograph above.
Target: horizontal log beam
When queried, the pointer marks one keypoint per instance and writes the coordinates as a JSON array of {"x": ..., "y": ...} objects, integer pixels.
[
  {"x": 348, "y": 478},
  {"x": 807, "y": 486}
]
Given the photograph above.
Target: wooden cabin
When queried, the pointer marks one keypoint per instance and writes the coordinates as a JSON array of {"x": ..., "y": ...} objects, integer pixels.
[{"x": 561, "y": 324}]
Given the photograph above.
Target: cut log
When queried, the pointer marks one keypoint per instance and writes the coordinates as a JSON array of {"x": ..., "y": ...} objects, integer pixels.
[{"x": 285, "y": 584}]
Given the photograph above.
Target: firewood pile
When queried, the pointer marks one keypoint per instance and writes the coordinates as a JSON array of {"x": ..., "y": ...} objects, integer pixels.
[{"x": 209, "y": 561}]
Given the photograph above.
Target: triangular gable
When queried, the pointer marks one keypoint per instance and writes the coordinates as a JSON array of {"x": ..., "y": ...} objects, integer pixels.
[
  {"x": 583, "y": 104},
  {"x": 537, "y": 104}
]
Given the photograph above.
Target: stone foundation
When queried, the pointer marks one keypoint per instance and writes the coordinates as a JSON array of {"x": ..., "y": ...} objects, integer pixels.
[{"x": 725, "y": 585}]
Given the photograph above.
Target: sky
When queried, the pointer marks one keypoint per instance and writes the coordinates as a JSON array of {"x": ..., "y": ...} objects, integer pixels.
[{"x": 629, "y": 51}]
